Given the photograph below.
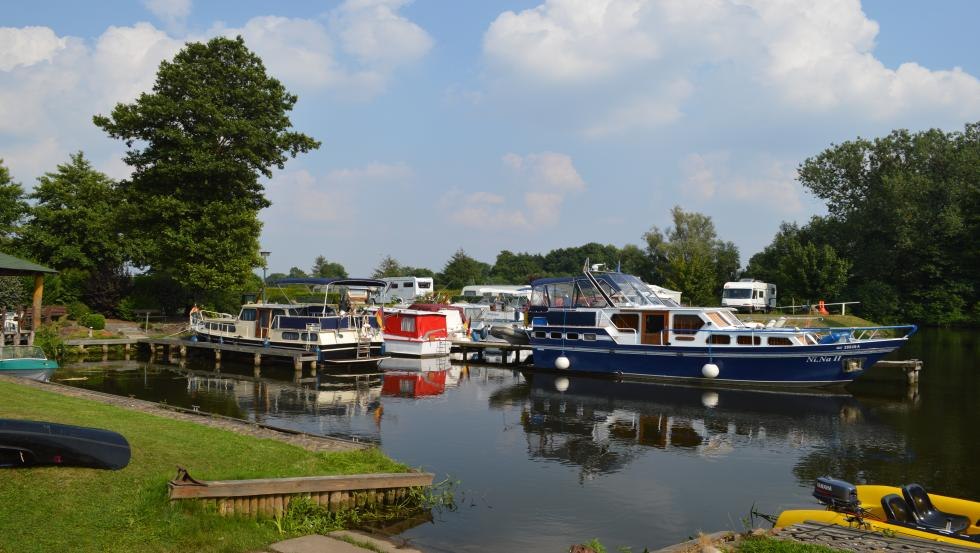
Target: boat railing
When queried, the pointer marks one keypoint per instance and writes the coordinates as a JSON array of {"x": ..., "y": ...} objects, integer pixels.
[
  {"x": 205, "y": 314},
  {"x": 21, "y": 352},
  {"x": 854, "y": 333}
]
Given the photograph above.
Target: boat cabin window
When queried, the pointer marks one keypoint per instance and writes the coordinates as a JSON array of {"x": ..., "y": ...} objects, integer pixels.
[
  {"x": 247, "y": 314},
  {"x": 540, "y": 334},
  {"x": 572, "y": 335},
  {"x": 720, "y": 339},
  {"x": 626, "y": 321},
  {"x": 586, "y": 295},
  {"x": 588, "y": 337},
  {"x": 408, "y": 323},
  {"x": 746, "y": 340},
  {"x": 687, "y": 324},
  {"x": 779, "y": 341},
  {"x": 393, "y": 285},
  {"x": 626, "y": 289}
]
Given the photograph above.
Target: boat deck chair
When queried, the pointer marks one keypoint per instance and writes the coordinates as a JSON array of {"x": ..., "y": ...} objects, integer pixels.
[
  {"x": 897, "y": 511},
  {"x": 927, "y": 515}
]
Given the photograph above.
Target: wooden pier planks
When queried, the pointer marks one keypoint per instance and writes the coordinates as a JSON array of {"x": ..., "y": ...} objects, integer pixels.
[
  {"x": 863, "y": 541},
  {"x": 271, "y": 496}
]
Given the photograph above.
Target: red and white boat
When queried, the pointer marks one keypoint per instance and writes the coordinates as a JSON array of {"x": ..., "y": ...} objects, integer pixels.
[{"x": 415, "y": 333}]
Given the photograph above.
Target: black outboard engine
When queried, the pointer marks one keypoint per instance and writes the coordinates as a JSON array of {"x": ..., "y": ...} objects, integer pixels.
[{"x": 837, "y": 494}]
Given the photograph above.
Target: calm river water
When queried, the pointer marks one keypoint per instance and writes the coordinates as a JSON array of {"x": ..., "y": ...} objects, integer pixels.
[{"x": 544, "y": 461}]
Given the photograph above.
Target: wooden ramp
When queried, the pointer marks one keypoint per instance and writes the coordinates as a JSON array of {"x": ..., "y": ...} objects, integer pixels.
[
  {"x": 863, "y": 541},
  {"x": 269, "y": 497}
]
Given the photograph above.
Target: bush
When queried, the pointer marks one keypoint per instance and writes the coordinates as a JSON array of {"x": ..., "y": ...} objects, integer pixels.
[
  {"x": 48, "y": 339},
  {"x": 77, "y": 311},
  {"x": 126, "y": 309},
  {"x": 95, "y": 321}
]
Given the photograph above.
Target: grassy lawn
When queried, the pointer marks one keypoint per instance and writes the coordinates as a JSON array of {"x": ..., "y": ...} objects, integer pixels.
[{"x": 71, "y": 509}]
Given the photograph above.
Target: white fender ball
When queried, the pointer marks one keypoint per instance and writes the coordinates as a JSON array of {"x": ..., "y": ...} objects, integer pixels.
[
  {"x": 562, "y": 363},
  {"x": 561, "y": 383},
  {"x": 710, "y": 370}
]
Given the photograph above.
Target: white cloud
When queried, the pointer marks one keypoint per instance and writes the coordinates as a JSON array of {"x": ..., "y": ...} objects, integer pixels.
[
  {"x": 374, "y": 33},
  {"x": 547, "y": 170},
  {"x": 636, "y": 63},
  {"x": 27, "y": 46},
  {"x": 332, "y": 197},
  {"x": 711, "y": 177},
  {"x": 544, "y": 180},
  {"x": 570, "y": 40},
  {"x": 171, "y": 12}
]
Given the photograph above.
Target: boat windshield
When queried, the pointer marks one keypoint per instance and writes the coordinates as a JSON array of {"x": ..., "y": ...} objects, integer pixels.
[
  {"x": 21, "y": 352},
  {"x": 626, "y": 290}
]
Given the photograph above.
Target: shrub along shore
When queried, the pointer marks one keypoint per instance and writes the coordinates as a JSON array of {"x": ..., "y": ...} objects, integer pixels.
[{"x": 74, "y": 509}]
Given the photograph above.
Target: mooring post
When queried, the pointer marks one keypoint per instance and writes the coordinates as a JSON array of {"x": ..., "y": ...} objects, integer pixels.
[
  {"x": 298, "y": 364},
  {"x": 257, "y": 359},
  {"x": 183, "y": 351}
]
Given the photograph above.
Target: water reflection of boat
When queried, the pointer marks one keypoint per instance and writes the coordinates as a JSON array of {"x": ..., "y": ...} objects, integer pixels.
[{"x": 601, "y": 424}]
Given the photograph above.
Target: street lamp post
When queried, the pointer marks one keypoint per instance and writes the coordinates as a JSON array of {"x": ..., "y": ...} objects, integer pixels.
[{"x": 265, "y": 265}]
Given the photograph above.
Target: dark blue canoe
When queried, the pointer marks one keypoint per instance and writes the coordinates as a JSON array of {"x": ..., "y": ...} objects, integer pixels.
[{"x": 26, "y": 443}]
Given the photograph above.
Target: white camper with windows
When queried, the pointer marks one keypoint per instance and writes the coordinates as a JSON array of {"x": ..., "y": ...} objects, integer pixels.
[
  {"x": 405, "y": 289},
  {"x": 749, "y": 295}
]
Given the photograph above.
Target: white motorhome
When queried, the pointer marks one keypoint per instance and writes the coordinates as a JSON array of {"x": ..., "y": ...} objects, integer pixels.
[
  {"x": 476, "y": 292},
  {"x": 404, "y": 289},
  {"x": 749, "y": 295}
]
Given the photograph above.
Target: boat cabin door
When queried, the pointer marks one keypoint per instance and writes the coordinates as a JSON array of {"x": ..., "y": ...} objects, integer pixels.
[
  {"x": 262, "y": 323},
  {"x": 654, "y": 328}
]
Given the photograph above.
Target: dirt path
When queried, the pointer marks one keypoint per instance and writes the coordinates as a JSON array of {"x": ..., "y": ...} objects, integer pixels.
[{"x": 306, "y": 441}]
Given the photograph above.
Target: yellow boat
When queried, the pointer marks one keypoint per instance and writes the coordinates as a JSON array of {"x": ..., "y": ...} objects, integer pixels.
[{"x": 907, "y": 510}]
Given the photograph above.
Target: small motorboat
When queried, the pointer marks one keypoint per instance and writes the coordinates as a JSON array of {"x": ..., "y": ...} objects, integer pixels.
[
  {"x": 25, "y": 443},
  {"x": 26, "y": 361},
  {"x": 906, "y": 510}
]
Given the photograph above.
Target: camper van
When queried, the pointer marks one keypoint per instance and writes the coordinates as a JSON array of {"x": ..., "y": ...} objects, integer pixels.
[
  {"x": 749, "y": 295},
  {"x": 404, "y": 289}
]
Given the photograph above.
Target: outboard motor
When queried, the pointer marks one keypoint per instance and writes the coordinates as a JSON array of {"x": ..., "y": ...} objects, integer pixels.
[{"x": 836, "y": 494}]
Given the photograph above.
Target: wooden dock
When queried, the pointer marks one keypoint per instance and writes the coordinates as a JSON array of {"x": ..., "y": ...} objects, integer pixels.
[
  {"x": 466, "y": 347},
  {"x": 176, "y": 347},
  {"x": 863, "y": 541},
  {"x": 911, "y": 367},
  {"x": 271, "y": 496}
]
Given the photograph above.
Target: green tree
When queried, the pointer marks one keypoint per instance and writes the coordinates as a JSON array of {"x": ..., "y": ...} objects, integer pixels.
[
  {"x": 462, "y": 270},
  {"x": 691, "y": 258},
  {"x": 13, "y": 207},
  {"x": 12, "y": 293},
  {"x": 814, "y": 272},
  {"x": 516, "y": 268},
  {"x": 198, "y": 143},
  {"x": 296, "y": 272},
  {"x": 902, "y": 209},
  {"x": 326, "y": 269},
  {"x": 74, "y": 226},
  {"x": 388, "y": 267}
]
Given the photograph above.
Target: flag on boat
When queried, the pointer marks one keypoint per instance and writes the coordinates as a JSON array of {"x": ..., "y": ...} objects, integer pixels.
[
  {"x": 380, "y": 316},
  {"x": 466, "y": 327}
]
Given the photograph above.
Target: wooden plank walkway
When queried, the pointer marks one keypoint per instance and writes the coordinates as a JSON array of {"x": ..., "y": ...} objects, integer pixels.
[
  {"x": 863, "y": 541},
  {"x": 178, "y": 346},
  {"x": 481, "y": 348},
  {"x": 271, "y": 496}
]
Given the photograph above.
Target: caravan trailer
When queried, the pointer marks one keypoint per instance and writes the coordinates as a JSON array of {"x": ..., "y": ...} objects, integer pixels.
[
  {"x": 405, "y": 289},
  {"x": 749, "y": 295}
]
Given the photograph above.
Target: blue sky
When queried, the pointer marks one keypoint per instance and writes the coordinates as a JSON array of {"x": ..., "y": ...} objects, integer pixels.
[{"x": 520, "y": 125}]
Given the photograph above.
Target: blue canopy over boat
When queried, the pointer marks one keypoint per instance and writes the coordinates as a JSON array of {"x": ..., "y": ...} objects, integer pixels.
[{"x": 320, "y": 281}]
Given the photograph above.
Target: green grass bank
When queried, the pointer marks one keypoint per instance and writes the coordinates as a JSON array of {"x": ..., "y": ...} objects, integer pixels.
[{"x": 72, "y": 509}]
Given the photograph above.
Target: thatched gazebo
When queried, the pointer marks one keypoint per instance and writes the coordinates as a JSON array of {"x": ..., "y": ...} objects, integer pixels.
[{"x": 14, "y": 266}]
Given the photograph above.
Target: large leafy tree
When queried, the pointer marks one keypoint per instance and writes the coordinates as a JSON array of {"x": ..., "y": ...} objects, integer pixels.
[
  {"x": 198, "y": 143},
  {"x": 13, "y": 207},
  {"x": 691, "y": 258},
  {"x": 903, "y": 209},
  {"x": 516, "y": 268}
]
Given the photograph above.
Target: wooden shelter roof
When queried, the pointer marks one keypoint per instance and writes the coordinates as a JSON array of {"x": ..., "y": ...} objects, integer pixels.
[{"x": 15, "y": 266}]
